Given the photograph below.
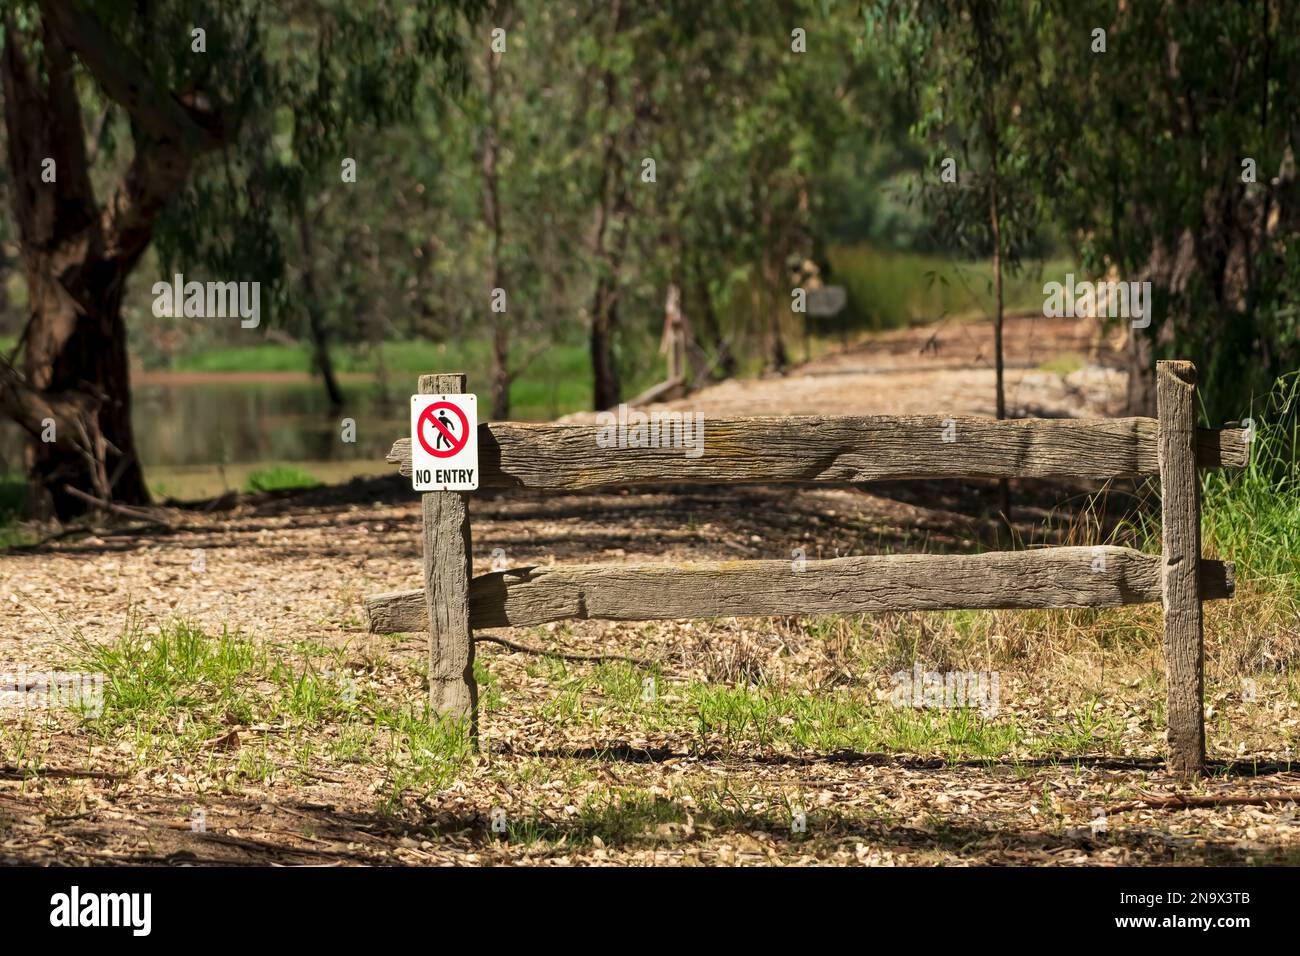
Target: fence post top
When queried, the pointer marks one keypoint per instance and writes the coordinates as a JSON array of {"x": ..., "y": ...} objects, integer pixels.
[
  {"x": 1178, "y": 368},
  {"x": 440, "y": 383}
]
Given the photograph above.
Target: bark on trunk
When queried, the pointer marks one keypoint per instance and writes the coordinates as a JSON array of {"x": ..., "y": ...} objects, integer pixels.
[
  {"x": 724, "y": 361},
  {"x": 769, "y": 298},
  {"x": 75, "y": 339},
  {"x": 501, "y": 375},
  {"x": 995, "y": 225},
  {"x": 316, "y": 312},
  {"x": 778, "y": 359},
  {"x": 91, "y": 360},
  {"x": 606, "y": 389},
  {"x": 613, "y": 205}
]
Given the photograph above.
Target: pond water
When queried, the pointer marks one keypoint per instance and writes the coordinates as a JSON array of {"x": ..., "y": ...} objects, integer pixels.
[
  {"x": 201, "y": 435},
  {"x": 204, "y": 422}
]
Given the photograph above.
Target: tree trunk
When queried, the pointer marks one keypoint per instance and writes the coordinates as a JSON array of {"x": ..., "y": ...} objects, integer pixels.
[
  {"x": 76, "y": 256},
  {"x": 76, "y": 359},
  {"x": 724, "y": 361},
  {"x": 770, "y": 299},
  {"x": 1000, "y": 400},
  {"x": 1139, "y": 362},
  {"x": 778, "y": 359},
  {"x": 612, "y": 204},
  {"x": 492, "y": 217},
  {"x": 500, "y": 369},
  {"x": 321, "y": 353},
  {"x": 315, "y": 311},
  {"x": 606, "y": 389},
  {"x": 92, "y": 360},
  {"x": 995, "y": 225}
]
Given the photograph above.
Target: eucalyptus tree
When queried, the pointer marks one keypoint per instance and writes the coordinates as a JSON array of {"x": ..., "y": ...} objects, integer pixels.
[
  {"x": 215, "y": 117},
  {"x": 1156, "y": 138},
  {"x": 712, "y": 127},
  {"x": 964, "y": 68},
  {"x": 1165, "y": 137},
  {"x": 528, "y": 146}
]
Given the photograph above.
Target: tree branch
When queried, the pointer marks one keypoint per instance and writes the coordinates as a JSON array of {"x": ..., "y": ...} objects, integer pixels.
[
  {"x": 124, "y": 77},
  {"x": 30, "y": 408}
]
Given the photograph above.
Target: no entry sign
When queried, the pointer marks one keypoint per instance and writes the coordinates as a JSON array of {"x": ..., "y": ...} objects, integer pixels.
[{"x": 444, "y": 442}]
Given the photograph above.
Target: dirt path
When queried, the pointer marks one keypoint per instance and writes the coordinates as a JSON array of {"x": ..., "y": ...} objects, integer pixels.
[
  {"x": 944, "y": 369},
  {"x": 712, "y": 767}
]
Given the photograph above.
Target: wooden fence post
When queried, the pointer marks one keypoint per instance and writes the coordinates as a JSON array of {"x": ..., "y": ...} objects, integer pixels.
[
  {"x": 1180, "y": 502},
  {"x": 447, "y": 573}
]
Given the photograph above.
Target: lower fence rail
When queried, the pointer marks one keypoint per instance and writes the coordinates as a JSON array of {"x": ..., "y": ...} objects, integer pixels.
[{"x": 1070, "y": 577}]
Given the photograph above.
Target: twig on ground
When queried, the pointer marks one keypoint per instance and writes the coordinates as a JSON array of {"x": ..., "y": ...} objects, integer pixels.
[
  {"x": 126, "y": 511},
  {"x": 1177, "y": 802},
  {"x": 10, "y": 772},
  {"x": 562, "y": 655}
]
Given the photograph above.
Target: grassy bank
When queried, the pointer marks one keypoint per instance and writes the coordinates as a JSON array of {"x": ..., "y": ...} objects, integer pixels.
[{"x": 555, "y": 383}]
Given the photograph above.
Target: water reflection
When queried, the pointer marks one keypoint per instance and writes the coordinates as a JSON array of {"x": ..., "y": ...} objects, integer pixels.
[{"x": 186, "y": 424}]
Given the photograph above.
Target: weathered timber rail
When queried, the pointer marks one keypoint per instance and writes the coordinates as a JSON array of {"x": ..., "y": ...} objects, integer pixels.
[
  {"x": 1047, "y": 578},
  {"x": 834, "y": 449},
  {"x": 816, "y": 448}
]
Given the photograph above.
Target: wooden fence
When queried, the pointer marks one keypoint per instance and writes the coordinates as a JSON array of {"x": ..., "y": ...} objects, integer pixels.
[{"x": 550, "y": 457}]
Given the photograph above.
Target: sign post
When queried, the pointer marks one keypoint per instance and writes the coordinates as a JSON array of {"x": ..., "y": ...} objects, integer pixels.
[{"x": 452, "y": 445}]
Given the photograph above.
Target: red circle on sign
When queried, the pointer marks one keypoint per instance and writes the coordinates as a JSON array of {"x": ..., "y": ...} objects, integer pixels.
[{"x": 427, "y": 416}]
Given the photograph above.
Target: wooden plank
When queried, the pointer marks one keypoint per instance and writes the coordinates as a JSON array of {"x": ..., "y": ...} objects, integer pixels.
[
  {"x": 839, "y": 449},
  {"x": 1181, "y": 550},
  {"x": 1046, "y": 578},
  {"x": 1222, "y": 448},
  {"x": 448, "y": 569}
]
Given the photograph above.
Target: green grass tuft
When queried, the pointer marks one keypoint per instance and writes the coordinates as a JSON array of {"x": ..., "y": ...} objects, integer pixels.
[
  {"x": 1252, "y": 517},
  {"x": 280, "y": 478}
]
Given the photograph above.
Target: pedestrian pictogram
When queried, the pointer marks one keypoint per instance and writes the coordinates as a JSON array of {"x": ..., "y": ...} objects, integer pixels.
[
  {"x": 444, "y": 443},
  {"x": 448, "y": 437}
]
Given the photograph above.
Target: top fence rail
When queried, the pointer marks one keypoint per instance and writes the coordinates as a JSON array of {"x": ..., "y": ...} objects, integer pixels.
[{"x": 831, "y": 449}]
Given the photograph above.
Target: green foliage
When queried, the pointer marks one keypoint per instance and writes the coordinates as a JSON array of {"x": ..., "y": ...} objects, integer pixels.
[
  {"x": 556, "y": 382},
  {"x": 837, "y": 720},
  {"x": 307, "y": 88},
  {"x": 422, "y": 752},
  {"x": 150, "y": 680},
  {"x": 181, "y": 691},
  {"x": 965, "y": 67},
  {"x": 13, "y": 497},
  {"x": 765, "y": 159},
  {"x": 578, "y": 108},
  {"x": 1134, "y": 154}
]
